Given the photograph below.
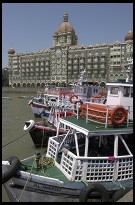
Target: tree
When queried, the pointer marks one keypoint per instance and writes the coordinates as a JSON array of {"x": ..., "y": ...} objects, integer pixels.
[{"x": 5, "y": 78}]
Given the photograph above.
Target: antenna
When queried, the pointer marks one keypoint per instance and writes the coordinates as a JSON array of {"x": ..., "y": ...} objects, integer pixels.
[
  {"x": 129, "y": 71},
  {"x": 81, "y": 79}
]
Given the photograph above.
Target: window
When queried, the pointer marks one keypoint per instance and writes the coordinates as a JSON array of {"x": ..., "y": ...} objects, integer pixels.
[
  {"x": 80, "y": 90},
  {"x": 126, "y": 92},
  {"x": 114, "y": 90},
  {"x": 84, "y": 90}
]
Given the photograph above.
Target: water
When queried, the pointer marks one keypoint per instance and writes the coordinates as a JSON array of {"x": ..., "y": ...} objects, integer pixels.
[{"x": 14, "y": 114}]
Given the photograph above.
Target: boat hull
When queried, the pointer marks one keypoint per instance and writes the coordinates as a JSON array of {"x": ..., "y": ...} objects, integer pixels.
[
  {"x": 37, "y": 191},
  {"x": 41, "y": 134}
]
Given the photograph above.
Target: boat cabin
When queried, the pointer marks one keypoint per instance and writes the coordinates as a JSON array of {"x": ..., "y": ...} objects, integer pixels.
[
  {"x": 120, "y": 93},
  {"x": 86, "y": 90}
]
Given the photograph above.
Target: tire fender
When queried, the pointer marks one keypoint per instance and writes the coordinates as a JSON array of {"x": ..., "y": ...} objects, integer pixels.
[
  {"x": 15, "y": 165},
  {"x": 92, "y": 188}
]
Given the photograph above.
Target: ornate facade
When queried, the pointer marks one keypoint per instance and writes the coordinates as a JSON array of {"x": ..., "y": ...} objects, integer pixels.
[{"x": 63, "y": 62}]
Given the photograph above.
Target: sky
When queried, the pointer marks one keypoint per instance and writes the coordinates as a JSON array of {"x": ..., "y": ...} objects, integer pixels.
[{"x": 28, "y": 27}]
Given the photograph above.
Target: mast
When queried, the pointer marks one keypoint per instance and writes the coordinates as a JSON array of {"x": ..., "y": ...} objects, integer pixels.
[
  {"x": 81, "y": 79},
  {"x": 129, "y": 70}
]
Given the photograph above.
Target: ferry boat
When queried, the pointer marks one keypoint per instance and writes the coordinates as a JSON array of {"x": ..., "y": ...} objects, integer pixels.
[
  {"x": 92, "y": 161},
  {"x": 82, "y": 91},
  {"x": 41, "y": 105}
]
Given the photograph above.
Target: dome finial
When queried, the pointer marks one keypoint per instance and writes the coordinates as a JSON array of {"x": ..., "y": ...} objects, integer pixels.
[{"x": 65, "y": 17}]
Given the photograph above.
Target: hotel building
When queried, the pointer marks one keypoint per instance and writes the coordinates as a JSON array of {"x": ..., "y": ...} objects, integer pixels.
[{"x": 63, "y": 62}]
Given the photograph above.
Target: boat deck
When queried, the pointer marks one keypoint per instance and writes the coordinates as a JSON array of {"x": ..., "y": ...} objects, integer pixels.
[
  {"x": 45, "y": 170},
  {"x": 95, "y": 128}
]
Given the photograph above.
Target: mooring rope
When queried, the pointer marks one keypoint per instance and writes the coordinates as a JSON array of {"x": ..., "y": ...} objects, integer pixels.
[
  {"x": 26, "y": 181},
  {"x": 17, "y": 138},
  {"x": 14, "y": 140},
  {"x": 47, "y": 161},
  {"x": 119, "y": 184},
  {"x": 44, "y": 123}
]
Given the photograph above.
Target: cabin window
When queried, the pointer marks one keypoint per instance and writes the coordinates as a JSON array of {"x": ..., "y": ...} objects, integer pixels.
[
  {"x": 80, "y": 90},
  {"x": 84, "y": 90},
  {"x": 126, "y": 92},
  {"x": 114, "y": 90},
  {"x": 95, "y": 90}
]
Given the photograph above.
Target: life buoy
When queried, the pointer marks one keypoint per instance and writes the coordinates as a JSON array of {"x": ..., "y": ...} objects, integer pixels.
[
  {"x": 86, "y": 191},
  {"x": 28, "y": 125},
  {"x": 119, "y": 194},
  {"x": 95, "y": 97},
  {"x": 71, "y": 98},
  {"x": 15, "y": 165},
  {"x": 119, "y": 115}
]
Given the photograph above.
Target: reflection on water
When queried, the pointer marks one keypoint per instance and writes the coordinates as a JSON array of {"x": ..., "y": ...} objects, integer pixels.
[{"x": 14, "y": 114}]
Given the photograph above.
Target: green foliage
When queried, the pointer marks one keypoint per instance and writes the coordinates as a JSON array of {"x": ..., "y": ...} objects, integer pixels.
[{"x": 5, "y": 80}]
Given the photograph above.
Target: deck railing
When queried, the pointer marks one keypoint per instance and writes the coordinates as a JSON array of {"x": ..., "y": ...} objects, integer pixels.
[
  {"x": 78, "y": 168},
  {"x": 104, "y": 117},
  {"x": 96, "y": 168}
]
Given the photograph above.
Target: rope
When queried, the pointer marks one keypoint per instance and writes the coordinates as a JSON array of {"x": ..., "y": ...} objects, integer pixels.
[
  {"x": 119, "y": 184},
  {"x": 85, "y": 182},
  {"x": 26, "y": 181},
  {"x": 13, "y": 140},
  {"x": 47, "y": 161},
  {"x": 16, "y": 139},
  {"x": 43, "y": 161}
]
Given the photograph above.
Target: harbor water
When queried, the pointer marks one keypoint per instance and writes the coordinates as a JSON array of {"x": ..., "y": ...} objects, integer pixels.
[{"x": 16, "y": 141}]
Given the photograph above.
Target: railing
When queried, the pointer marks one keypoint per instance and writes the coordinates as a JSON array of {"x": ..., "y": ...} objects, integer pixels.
[
  {"x": 105, "y": 116},
  {"x": 90, "y": 169}
]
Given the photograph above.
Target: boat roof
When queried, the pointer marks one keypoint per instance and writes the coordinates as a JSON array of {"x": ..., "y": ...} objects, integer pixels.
[
  {"x": 94, "y": 128},
  {"x": 129, "y": 84}
]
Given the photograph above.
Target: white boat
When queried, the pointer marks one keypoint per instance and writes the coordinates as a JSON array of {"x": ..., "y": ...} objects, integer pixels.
[{"x": 82, "y": 91}]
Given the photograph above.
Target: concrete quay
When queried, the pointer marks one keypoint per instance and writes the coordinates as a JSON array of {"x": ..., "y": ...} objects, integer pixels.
[{"x": 128, "y": 197}]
